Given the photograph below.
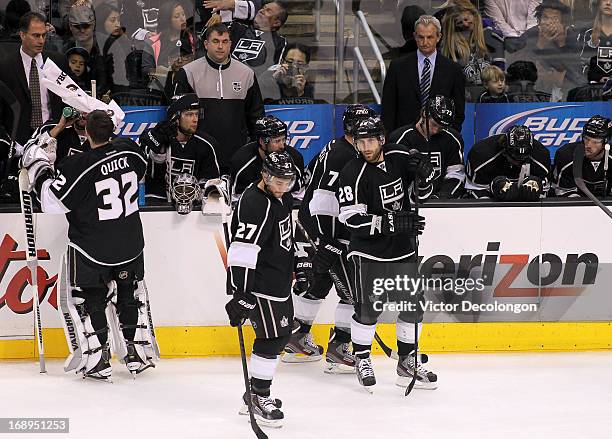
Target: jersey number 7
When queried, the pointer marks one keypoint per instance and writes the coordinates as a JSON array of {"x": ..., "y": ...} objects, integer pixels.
[{"x": 110, "y": 189}]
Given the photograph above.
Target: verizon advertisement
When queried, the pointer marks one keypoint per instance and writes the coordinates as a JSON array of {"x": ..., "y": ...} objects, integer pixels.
[{"x": 486, "y": 264}]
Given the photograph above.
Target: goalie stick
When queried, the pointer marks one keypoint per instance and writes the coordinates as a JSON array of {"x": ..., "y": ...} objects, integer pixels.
[
  {"x": 577, "y": 168},
  {"x": 245, "y": 371},
  {"x": 32, "y": 258}
]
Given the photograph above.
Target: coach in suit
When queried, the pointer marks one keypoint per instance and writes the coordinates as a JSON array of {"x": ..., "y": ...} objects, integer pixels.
[
  {"x": 412, "y": 78},
  {"x": 37, "y": 105}
]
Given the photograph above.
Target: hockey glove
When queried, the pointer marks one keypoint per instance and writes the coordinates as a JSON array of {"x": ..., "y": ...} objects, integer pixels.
[
  {"x": 422, "y": 167},
  {"x": 531, "y": 189},
  {"x": 303, "y": 276},
  {"x": 36, "y": 161},
  {"x": 328, "y": 252},
  {"x": 504, "y": 190},
  {"x": 162, "y": 133},
  {"x": 402, "y": 222},
  {"x": 239, "y": 308}
]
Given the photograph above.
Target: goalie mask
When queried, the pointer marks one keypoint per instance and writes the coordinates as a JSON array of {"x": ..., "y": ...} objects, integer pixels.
[
  {"x": 278, "y": 172},
  {"x": 185, "y": 192},
  {"x": 519, "y": 143}
]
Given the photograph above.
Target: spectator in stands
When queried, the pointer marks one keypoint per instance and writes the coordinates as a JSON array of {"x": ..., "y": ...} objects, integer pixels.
[
  {"x": 163, "y": 50},
  {"x": 512, "y": 17},
  {"x": 410, "y": 15},
  {"x": 593, "y": 90},
  {"x": 598, "y": 34},
  {"x": 230, "y": 10},
  {"x": 228, "y": 91},
  {"x": 521, "y": 77},
  {"x": 551, "y": 46},
  {"x": 463, "y": 41},
  {"x": 116, "y": 46},
  {"x": 494, "y": 81},
  {"x": 413, "y": 78},
  {"x": 15, "y": 9},
  {"x": 260, "y": 45},
  {"x": 77, "y": 58},
  {"x": 139, "y": 17}
]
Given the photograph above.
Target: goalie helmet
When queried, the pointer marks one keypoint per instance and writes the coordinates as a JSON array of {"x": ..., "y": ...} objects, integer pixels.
[
  {"x": 182, "y": 103},
  {"x": 597, "y": 127},
  {"x": 185, "y": 191},
  {"x": 519, "y": 143},
  {"x": 441, "y": 109},
  {"x": 369, "y": 127},
  {"x": 280, "y": 165},
  {"x": 268, "y": 127},
  {"x": 353, "y": 114}
]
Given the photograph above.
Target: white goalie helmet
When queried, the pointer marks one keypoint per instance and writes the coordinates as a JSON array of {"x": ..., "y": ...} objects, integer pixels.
[{"x": 185, "y": 191}]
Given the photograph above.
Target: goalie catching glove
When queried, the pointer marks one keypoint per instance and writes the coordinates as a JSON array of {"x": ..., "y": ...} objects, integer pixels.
[
  {"x": 239, "y": 308},
  {"x": 402, "y": 222}
]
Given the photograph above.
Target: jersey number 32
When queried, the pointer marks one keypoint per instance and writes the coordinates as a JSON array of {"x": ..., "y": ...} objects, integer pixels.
[{"x": 114, "y": 204}]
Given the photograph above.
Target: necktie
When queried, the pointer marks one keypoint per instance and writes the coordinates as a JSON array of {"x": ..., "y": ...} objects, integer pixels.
[
  {"x": 425, "y": 81},
  {"x": 36, "y": 120}
]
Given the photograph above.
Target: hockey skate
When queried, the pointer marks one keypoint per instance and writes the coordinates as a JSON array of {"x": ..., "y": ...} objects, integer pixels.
[
  {"x": 339, "y": 358},
  {"x": 133, "y": 362},
  {"x": 265, "y": 409},
  {"x": 365, "y": 373},
  {"x": 302, "y": 349},
  {"x": 424, "y": 380},
  {"x": 102, "y": 369}
]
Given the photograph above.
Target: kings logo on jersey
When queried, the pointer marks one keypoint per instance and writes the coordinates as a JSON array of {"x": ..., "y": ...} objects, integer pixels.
[
  {"x": 284, "y": 228},
  {"x": 435, "y": 157},
  {"x": 392, "y": 195},
  {"x": 182, "y": 166},
  {"x": 247, "y": 50}
]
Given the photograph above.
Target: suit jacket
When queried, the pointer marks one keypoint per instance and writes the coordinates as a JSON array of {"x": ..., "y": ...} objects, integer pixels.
[
  {"x": 14, "y": 77},
  {"x": 401, "y": 100}
]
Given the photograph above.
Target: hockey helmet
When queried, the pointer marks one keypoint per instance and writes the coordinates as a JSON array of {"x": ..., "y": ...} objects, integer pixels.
[
  {"x": 597, "y": 127},
  {"x": 369, "y": 127},
  {"x": 279, "y": 164},
  {"x": 182, "y": 103},
  {"x": 268, "y": 127},
  {"x": 441, "y": 109},
  {"x": 185, "y": 191},
  {"x": 519, "y": 143},
  {"x": 354, "y": 113}
]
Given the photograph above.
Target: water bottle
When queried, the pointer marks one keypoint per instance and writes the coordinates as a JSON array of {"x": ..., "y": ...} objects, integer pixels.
[{"x": 141, "y": 193}]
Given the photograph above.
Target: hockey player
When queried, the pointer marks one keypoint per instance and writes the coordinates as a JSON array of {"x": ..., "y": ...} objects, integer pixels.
[
  {"x": 319, "y": 216},
  {"x": 509, "y": 167},
  {"x": 271, "y": 135},
  {"x": 433, "y": 135},
  {"x": 260, "y": 260},
  {"x": 595, "y": 134},
  {"x": 176, "y": 147},
  {"x": 374, "y": 195},
  {"x": 98, "y": 192}
]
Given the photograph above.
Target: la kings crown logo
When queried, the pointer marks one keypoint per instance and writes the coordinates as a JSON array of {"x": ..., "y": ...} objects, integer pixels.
[
  {"x": 247, "y": 50},
  {"x": 392, "y": 195},
  {"x": 284, "y": 228}
]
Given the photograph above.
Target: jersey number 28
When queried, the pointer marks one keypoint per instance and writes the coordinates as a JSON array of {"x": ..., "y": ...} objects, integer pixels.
[{"x": 111, "y": 189}]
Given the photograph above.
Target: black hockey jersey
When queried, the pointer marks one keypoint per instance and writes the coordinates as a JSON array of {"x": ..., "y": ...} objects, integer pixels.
[
  {"x": 366, "y": 191},
  {"x": 69, "y": 142},
  {"x": 246, "y": 167},
  {"x": 486, "y": 160},
  {"x": 98, "y": 191},
  {"x": 592, "y": 174},
  {"x": 260, "y": 257},
  {"x": 319, "y": 210},
  {"x": 257, "y": 49},
  {"x": 197, "y": 157},
  {"x": 445, "y": 151}
]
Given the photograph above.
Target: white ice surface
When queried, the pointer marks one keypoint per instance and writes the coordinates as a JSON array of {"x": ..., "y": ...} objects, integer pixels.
[{"x": 565, "y": 395}]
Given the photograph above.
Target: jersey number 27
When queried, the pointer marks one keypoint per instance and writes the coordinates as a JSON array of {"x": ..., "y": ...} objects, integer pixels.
[{"x": 115, "y": 205}]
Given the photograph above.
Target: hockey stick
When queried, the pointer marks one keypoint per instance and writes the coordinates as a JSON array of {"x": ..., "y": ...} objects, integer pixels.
[
  {"x": 245, "y": 371},
  {"x": 386, "y": 349},
  {"x": 7, "y": 95},
  {"x": 150, "y": 320},
  {"x": 577, "y": 168},
  {"x": 32, "y": 258},
  {"x": 606, "y": 158}
]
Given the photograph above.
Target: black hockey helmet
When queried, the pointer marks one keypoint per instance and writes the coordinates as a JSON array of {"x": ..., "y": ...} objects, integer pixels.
[
  {"x": 597, "y": 127},
  {"x": 269, "y": 126},
  {"x": 279, "y": 164},
  {"x": 182, "y": 103},
  {"x": 519, "y": 143},
  {"x": 354, "y": 113},
  {"x": 369, "y": 127},
  {"x": 441, "y": 109}
]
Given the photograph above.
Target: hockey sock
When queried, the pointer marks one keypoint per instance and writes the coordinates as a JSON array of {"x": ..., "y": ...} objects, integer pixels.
[
  {"x": 95, "y": 304},
  {"x": 343, "y": 319},
  {"x": 405, "y": 337},
  {"x": 306, "y": 310},
  {"x": 304, "y": 327},
  {"x": 261, "y": 387},
  {"x": 127, "y": 308},
  {"x": 341, "y": 335},
  {"x": 263, "y": 368},
  {"x": 362, "y": 336}
]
